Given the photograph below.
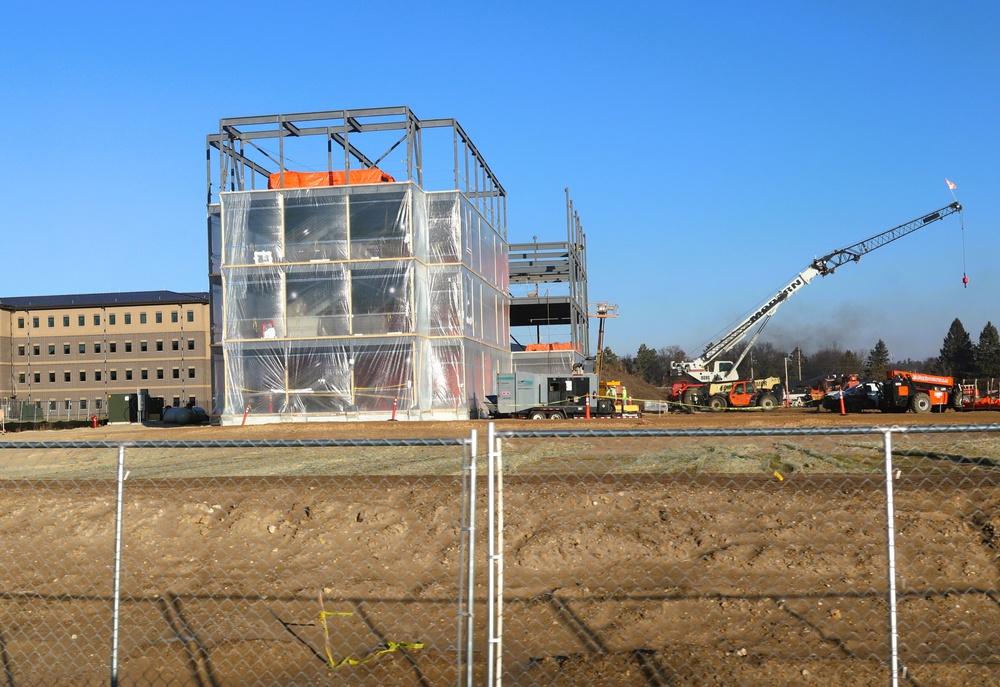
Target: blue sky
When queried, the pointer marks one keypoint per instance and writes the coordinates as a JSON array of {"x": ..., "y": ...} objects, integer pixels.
[{"x": 711, "y": 149}]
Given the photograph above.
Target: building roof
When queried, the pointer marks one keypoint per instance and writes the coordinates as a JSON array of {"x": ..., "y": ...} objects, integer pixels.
[{"x": 102, "y": 300}]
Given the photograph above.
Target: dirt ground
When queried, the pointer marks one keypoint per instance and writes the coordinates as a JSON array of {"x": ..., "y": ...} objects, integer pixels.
[{"x": 268, "y": 567}]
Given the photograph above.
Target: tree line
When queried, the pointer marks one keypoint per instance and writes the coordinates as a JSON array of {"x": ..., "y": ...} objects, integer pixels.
[{"x": 959, "y": 357}]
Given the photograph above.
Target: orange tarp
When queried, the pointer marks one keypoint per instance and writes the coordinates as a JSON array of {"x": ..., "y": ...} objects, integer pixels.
[
  {"x": 552, "y": 347},
  {"x": 339, "y": 178}
]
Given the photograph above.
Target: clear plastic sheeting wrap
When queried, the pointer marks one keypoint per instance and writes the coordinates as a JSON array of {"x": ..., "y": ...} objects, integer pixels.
[{"x": 357, "y": 303}]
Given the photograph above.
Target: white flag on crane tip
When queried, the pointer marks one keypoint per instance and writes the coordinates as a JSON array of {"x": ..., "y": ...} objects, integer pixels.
[{"x": 951, "y": 186}]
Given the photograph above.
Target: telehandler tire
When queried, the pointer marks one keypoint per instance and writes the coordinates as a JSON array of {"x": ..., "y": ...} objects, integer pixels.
[
  {"x": 920, "y": 403},
  {"x": 717, "y": 403},
  {"x": 767, "y": 402}
]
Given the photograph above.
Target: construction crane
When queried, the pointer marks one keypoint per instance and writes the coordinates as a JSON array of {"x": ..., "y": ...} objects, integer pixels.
[{"x": 709, "y": 368}]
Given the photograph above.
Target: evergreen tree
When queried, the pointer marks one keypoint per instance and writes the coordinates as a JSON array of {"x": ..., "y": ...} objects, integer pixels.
[
  {"x": 646, "y": 363},
  {"x": 610, "y": 361},
  {"x": 957, "y": 352},
  {"x": 988, "y": 352},
  {"x": 878, "y": 361}
]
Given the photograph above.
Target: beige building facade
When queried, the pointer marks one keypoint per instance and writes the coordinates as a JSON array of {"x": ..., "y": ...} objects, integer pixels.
[{"x": 66, "y": 354}]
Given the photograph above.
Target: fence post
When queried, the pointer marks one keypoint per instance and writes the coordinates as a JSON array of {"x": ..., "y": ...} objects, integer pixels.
[
  {"x": 466, "y": 587},
  {"x": 494, "y": 496},
  {"x": 891, "y": 557},
  {"x": 116, "y": 612}
]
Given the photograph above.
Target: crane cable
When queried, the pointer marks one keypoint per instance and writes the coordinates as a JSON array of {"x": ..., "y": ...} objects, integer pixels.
[
  {"x": 965, "y": 273},
  {"x": 961, "y": 218}
]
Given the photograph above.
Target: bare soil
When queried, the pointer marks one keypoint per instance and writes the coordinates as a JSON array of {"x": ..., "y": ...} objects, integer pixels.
[{"x": 630, "y": 561}]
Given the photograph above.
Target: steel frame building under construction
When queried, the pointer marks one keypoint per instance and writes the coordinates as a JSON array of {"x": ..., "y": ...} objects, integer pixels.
[{"x": 358, "y": 268}]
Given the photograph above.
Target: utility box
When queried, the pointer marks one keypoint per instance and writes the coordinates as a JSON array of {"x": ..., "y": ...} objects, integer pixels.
[
  {"x": 520, "y": 392},
  {"x": 122, "y": 408},
  {"x": 135, "y": 407}
]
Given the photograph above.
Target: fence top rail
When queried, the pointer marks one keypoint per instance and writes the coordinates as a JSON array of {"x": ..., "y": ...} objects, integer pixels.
[
  {"x": 747, "y": 431},
  {"x": 248, "y": 443}
]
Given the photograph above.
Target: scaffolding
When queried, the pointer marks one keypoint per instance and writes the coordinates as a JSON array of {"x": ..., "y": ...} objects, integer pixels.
[
  {"x": 378, "y": 290},
  {"x": 548, "y": 313}
]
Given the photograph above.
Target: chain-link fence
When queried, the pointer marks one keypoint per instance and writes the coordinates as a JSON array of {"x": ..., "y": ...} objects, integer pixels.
[
  {"x": 19, "y": 415},
  {"x": 849, "y": 556}
]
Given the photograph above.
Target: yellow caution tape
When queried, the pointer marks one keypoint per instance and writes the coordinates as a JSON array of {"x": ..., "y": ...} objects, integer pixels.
[
  {"x": 349, "y": 661},
  {"x": 386, "y": 648}
]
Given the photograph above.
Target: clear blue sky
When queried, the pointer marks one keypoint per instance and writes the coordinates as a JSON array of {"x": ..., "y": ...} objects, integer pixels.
[{"x": 712, "y": 149}]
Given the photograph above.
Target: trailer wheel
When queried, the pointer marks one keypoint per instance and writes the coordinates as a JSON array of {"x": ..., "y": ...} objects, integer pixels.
[
  {"x": 768, "y": 402},
  {"x": 690, "y": 397},
  {"x": 537, "y": 415},
  {"x": 920, "y": 403},
  {"x": 717, "y": 403},
  {"x": 557, "y": 416}
]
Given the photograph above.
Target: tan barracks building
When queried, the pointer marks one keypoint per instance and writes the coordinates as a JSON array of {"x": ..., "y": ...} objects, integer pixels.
[{"x": 66, "y": 354}]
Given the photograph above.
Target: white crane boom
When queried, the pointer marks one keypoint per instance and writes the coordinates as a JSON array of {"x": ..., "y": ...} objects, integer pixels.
[{"x": 708, "y": 368}]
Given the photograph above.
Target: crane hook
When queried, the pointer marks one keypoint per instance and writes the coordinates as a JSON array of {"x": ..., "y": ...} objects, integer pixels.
[{"x": 965, "y": 280}]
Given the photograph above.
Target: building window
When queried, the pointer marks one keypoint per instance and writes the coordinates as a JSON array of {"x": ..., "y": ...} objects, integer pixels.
[
  {"x": 159, "y": 345},
  {"x": 190, "y": 344},
  {"x": 142, "y": 346},
  {"x": 65, "y": 349},
  {"x": 83, "y": 348},
  {"x": 20, "y": 323},
  {"x": 83, "y": 404},
  {"x": 97, "y": 375},
  {"x": 52, "y": 405},
  {"x": 128, "y": 374},
  {"x": 111, "y": 318},
  {"x": 190, "y": 315},
  {"x": 98, "y": 404},
  {"x": 177, "y": 373},
  {"x": 128, "y": 318},
  {"x": 34, "y": 350},
  {"x": 20, "y": 350},
  {"x": 52, "y": 321},
  {"x": 144, "y": 374},
  {"x": 83, "y": 376},
  {"x": 52, "y": 377},
  {"x": 190, "y": 373},
  {"x": 112, "y": 347},
  {"x": 175, "y": 345},
  {"x": 177, "y": 401},
  {"x": 173, "y": 316},
  {"x": 159, "y": 373},
  {"x": 142, "y": 318},
  {"x": 159, "y": 318},
  {"x": 97, "y": 347},
  {"x": 34, "y": 322},
  {"x": 20, "y": 378},
  {"x": 68, "y": 405},
  {"x": 97, "y": 320},
  {"x": 192, "y": 401},
  {"x": 128, "y": 346},
  {"x": 38, "y": 378},
  {"x": 67, "y": 377},
  {"x": 52, "y": 349},
  {"x": 113, "y": 375},
  {"x": 80, "y": 320},
  {"x": 65, "y": 320}
]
